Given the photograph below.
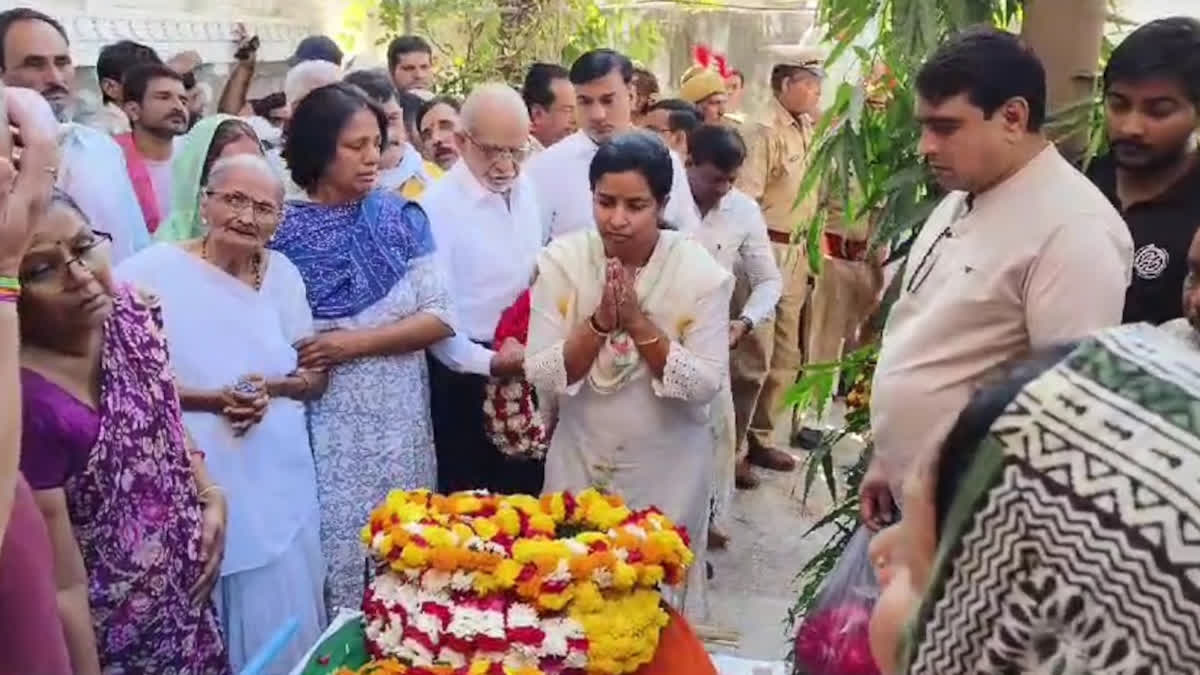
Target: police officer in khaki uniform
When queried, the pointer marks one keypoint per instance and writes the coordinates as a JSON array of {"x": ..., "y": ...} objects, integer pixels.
[
  {"x": 765, "y": 363},
  {"x": 851, "y": 280},
  {"x": 846, "y": 291}
]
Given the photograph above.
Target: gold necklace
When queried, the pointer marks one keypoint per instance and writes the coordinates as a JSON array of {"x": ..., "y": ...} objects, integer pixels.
[{"x": 255, "y": 264}]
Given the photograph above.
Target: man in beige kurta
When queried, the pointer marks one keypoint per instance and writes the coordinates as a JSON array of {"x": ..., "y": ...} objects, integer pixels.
[
  {"x": 1024, "y": 253},
  {"x": 766, "y": 363}
]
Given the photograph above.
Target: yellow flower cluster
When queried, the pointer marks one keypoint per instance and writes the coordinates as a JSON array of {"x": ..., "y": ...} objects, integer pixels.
[
  {"x": 541, "y": 549},
  {"x": 622, "y": 631}
]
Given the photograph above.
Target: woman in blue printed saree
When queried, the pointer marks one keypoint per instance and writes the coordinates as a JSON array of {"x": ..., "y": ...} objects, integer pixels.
[{"x": 366, "y": 259}]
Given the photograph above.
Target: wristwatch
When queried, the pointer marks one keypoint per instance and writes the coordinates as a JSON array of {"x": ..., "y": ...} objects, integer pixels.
[{"x": 746, "y": 320}]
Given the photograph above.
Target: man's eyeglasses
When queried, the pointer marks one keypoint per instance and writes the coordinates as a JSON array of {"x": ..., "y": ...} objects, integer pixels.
[
  {"x": 91, "y": 250},
  {"x": 262, "y": 211},
  {"x": 495, "y": 153}
]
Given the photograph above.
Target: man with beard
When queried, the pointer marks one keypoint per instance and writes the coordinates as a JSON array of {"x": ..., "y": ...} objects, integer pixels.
[
  {"x": 604, "y": 99},
  {"x": 35, "y": 53},
  {"x": 439, "y": 125},
  {"x": 485, "y": 218},
  {"x": 156, "y": 103},
  {"x": 1151, "y": 173}
]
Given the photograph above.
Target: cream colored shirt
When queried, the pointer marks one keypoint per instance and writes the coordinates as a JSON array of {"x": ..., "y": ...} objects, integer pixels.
[{"x": 1038, "y": 260}]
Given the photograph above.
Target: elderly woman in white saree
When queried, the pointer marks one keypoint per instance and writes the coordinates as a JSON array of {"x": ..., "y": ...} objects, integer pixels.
[
  {"x": 232, "y": 311},
  {"x": 629, "y": 333}
]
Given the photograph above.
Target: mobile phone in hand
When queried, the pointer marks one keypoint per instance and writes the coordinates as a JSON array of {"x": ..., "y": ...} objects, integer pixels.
[{"x": 247, "y": 49}]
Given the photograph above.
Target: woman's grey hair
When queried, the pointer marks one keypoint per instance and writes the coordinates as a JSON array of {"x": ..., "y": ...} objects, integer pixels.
[
  {"x": 223, "y": 167},
  {"x": 491, "y": 98},
  {"x": 307, "y": 76}
]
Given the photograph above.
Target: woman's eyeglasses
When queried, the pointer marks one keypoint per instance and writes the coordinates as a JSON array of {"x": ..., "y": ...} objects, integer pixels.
[
  {"x": 262, "y": 211},
  {"x": 495, "y": 153},
  {"x": 90, "y": 250}
]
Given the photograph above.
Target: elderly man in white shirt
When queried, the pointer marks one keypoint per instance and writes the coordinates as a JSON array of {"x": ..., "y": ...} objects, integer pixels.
[
  {"x": 487, "y": 230},
  {"x": 604, "y": 99},
  {"x": 734, "y": 232},
  {"x": 36, "y": 55}
]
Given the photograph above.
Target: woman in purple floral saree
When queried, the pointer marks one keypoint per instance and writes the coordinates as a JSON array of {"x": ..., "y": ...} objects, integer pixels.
[{"x": 137, "y": 527}]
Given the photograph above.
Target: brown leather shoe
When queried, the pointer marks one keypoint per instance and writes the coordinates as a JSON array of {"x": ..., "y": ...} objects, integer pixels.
[
  {"x": 771, "y": 458},
  {"x": 743, "y": 476},
  {"x": 717, "y": 540}
]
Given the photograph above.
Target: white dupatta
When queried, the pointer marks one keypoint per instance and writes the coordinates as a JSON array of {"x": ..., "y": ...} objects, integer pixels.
[
  {"x": 678, "y": 273},
  {"x": 218, "y": 330}
]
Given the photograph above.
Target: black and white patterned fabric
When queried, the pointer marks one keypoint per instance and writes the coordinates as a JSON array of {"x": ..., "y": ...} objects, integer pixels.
[{"x": 1073, "y": 545}]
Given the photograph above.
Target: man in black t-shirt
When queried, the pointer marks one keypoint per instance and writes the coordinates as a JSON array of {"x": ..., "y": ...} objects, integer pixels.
[{"x": 1152, "y": 172}]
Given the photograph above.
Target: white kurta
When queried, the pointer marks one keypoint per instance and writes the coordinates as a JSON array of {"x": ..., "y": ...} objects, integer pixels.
[
  {"x": 560, "y": 175},
  {"x": 649, "y": 441}
]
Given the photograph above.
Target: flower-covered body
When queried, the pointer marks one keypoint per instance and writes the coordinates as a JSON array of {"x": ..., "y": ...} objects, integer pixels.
[{"x": 560, "y": 584}]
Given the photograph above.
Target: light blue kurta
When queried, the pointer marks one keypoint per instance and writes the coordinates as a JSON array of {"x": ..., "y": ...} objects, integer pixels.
[{"x": 371, "y": 432}]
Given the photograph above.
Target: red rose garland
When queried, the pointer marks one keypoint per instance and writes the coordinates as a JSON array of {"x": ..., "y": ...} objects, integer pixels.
[{"x": 512, "y": 420}]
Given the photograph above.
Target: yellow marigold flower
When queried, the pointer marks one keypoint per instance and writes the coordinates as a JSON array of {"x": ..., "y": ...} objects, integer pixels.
[
  {"x": 651, "y": 575},
  {"x": 590, "y": 538},
  {"x": 365, "y": 534},
  {"x": 588, "y": 598},
  {"x": 480, "y": 668},
  {"x": 624, "y": 576},
  {"x": 462, "y": 531},
  {"x": 410, "y": 513},
  {"x": 527, "y": 504},
  {"x": 485, "y": 584},
  {"x": 510, "y": 522},
  {"x": 467, "y": 504},
  {"x": 439, "y": 537},
  {"x": 540, "y": 522},
  {"x": 555, "y": 601},
  {"x": 507, "y": 572},
  {"x": 415, "y": 555},
  {"x": 486, "y": 528}
]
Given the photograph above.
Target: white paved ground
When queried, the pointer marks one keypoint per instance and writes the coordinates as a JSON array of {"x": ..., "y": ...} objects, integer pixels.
[{"x": 755, "y": 585}]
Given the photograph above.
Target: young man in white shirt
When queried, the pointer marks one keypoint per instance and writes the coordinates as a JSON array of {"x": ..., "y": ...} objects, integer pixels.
[
  {"x": 733, "y": 230},
  {"x": 603, "y": 106},
  {"x": 487, "y": 229}
]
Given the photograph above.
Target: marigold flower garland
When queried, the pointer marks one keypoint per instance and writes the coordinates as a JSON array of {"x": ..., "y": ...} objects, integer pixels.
[{"x": 481, "y": 584}]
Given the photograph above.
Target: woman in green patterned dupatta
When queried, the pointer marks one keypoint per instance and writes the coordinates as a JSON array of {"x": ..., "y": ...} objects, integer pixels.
[
  {"x": 211, "y": 139},
  {"x": 1059, "y": 531}
]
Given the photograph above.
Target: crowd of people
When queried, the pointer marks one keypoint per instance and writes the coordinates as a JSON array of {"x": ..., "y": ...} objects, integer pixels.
[{"x": 229, "y": 335}]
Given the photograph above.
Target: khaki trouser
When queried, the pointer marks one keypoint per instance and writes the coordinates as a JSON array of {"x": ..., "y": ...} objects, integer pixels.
[
  {"x": 842, "y": 298},
  {"x": 764, "y": 365}
]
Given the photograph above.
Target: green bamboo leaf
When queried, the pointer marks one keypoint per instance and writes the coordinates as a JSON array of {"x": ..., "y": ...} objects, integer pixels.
[{"x": 827, "y": 468}]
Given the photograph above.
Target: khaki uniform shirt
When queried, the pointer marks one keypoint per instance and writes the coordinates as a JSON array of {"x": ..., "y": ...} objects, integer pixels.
[
  {"x": 1039, "y": 260},
  {"x": 777, "y": 156}
]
